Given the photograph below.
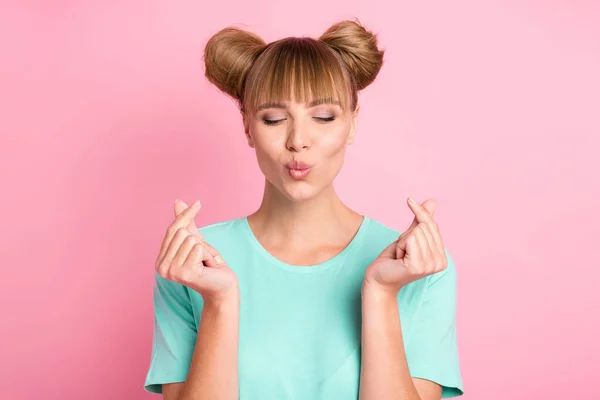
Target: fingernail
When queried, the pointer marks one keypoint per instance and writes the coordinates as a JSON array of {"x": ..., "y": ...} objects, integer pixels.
[
  {"x": 196, "y": 204},
  {"x": 412, "y": 201},
  {"x": 177, "y": 201}
]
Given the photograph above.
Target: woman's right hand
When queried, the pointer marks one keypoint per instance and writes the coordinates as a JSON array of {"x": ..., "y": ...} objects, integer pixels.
[{"x": 186, "y": 258}]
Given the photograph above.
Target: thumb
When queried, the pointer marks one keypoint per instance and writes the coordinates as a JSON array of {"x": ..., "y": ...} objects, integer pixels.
[
  {"x": 429, "y": 206},
  {"x": 181, "y": 206},
  {"x": 400, "y": 249}
]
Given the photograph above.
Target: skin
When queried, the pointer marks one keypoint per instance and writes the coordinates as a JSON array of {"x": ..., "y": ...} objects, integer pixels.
[
  {"x": 302, "y": 222},
  {"x": 417, "y": 253},
  {"x": 185, "y": 257}
]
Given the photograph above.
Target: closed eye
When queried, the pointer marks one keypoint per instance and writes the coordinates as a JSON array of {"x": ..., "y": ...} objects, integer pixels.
[
  {"x": 276, "y": 121},
  {"x": 272, "y": 121},
  {"x": 328, "y": 119}
]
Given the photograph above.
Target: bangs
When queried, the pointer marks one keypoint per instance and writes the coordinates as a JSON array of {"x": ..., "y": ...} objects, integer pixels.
[{"x": 300, "y": 70}]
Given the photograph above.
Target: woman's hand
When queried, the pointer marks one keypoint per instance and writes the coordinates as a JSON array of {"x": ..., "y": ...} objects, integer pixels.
[
  {"x": 186, "y": 258},
  {"x": 418, "y": 252}
]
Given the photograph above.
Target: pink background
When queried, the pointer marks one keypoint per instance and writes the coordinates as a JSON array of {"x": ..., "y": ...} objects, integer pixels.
[{"x": 491, "y": 107}]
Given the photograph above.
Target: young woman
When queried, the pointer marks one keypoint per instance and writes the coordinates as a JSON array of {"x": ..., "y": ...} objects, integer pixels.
[{"x": 305, "y": 298}]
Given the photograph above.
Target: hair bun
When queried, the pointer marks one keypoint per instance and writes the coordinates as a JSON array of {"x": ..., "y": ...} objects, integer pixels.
[
  {"x": 228, "y": 56},
  {"x": 357, "y": 48}
]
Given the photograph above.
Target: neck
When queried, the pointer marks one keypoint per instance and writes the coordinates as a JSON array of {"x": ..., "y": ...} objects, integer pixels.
[{"x": 322, "y": 219}]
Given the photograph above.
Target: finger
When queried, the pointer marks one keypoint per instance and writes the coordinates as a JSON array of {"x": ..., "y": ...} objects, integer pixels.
[
  {"x": 174, "y": 244},
  {"x": 181, "y": 206},
  {"x": 422, "y": 214},
  {"x": 429, "y": 206},
  {"x": 181, "y": 221},
  {"x": 199, "y": 257},
  {"x": 402, "y": 245},
  {"x": 437, "y": 237},
  {"x": 197, "y": 260},
  {"x": 214, "y": 253},
  {"x": 429, "y": 237},
  {"x": 184, "y": 250},
  {"x": 193, "y": 266},
  {"x": 412, "y": 256},
  {"x": 426, "y": 249},
  {"x": 186, "y": 217},
  {"x": 211, "y": 253}
]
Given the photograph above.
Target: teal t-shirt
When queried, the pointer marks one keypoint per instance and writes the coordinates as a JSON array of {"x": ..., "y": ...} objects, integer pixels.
[{"x": 300, "y": 326}]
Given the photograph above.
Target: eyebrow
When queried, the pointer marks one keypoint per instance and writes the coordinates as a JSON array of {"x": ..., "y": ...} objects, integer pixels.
[{"x": 311, "y": 104}]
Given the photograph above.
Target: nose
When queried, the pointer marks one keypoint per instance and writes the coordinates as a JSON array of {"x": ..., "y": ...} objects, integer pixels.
[{"x": 298, "y": 137}]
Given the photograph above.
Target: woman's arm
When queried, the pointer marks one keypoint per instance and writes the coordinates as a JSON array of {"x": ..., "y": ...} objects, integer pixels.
[
  {"x": 419, "y": 252},
  {"x": 213, "y": 372},
  {"x": 384, "y": 373}
]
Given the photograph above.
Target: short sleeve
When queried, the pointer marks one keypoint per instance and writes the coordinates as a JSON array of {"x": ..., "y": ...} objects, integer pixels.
[
  {"x": 432, "y": 352},
  {"x": 174, "y": 336}
]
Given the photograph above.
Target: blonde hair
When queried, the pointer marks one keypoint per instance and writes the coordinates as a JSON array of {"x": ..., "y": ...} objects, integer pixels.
[{"x": 342, "y": 61}]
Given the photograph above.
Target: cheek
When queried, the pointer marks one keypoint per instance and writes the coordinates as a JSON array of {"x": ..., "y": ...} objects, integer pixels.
[
  {"x": 268, "y": 153},
  {"x": 263, "y": 142},
  {"x": 332, "y": 150},
  {"x": 335, "y": 141},
  {"x": 268, "y": 147}
]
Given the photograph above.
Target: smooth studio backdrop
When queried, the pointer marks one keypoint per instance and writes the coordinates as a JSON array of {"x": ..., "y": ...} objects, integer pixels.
[{"x": 106, "y": 118}]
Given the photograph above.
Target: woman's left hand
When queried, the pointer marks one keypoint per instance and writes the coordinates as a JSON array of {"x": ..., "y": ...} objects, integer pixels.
[{"x": 417, "y": 253}]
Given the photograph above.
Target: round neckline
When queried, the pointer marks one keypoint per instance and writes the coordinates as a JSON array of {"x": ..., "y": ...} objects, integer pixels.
[{"x": 356, "y": 240}]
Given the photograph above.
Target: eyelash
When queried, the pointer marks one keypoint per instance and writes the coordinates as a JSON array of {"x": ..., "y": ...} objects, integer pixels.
[{"x": 274, "y": 122}]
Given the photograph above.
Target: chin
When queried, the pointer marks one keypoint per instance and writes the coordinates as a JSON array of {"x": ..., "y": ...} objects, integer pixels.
[{"x": 300, "y": 191}]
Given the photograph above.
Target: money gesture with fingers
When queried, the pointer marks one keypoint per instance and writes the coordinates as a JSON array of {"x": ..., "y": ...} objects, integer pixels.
[
  {"x": 417, "y": 253},
  {"x": 186, "y": 258}
]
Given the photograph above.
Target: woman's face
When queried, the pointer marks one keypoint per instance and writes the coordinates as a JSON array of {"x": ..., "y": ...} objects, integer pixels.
[{"x": 315, "y": 134}]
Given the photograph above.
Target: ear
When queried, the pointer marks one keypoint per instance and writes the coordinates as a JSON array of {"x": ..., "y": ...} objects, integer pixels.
[
  {"x": 354, "y": 125},
  {"x": 249, "y": 138},
  {"x": 247, "y": 131}
]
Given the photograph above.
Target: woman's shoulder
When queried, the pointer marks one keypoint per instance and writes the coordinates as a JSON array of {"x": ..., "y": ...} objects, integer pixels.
[
  {"x": 380, "y": 231},
  {"x": 222, "y": 229}
]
